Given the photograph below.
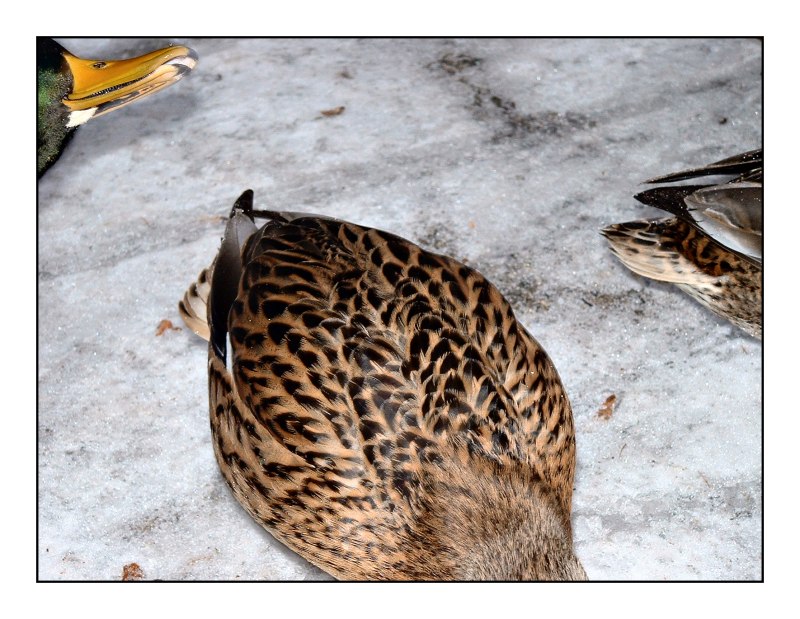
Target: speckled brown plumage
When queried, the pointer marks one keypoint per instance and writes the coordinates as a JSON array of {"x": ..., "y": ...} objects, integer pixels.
[
  {"x": 386, "y": 416},
  {"x": 712, "y": 248}
]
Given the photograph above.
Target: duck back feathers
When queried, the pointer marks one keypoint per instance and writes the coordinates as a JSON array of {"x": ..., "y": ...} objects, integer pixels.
[{"x": 385, "y": 415}]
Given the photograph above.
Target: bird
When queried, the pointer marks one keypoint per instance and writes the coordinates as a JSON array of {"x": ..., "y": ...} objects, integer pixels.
[
  {"x": 71, "y": 90},
  {"x": 382, "y": 413},
  {"x": 712, "y": 247}
]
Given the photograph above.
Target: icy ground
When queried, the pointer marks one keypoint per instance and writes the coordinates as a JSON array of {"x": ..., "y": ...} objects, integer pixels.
[{"x": 507, "y": 154}]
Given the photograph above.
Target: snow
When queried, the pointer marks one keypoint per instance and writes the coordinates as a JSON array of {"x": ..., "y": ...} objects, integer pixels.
[{"x": 507, "y": 154}]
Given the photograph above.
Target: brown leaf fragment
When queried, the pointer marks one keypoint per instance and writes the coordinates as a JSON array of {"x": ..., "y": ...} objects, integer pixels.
[
  {"x": 132, "y": 571},
  {"x": 165, "y": 325},
  {"x": 333, "y": 112},
  {"x": 607, "y": 408}
]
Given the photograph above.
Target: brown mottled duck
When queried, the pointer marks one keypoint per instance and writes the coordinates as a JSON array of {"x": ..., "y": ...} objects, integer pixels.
[
  {"x": 383, "y": 413},
  {"x": 712, "y": 247},
  {"x": 71, "y": 90}
]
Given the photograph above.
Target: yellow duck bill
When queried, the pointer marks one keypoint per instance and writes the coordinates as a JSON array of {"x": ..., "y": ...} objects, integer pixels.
[{"x": 100, "y": 86}]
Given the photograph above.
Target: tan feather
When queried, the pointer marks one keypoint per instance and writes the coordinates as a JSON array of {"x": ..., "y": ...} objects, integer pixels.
[{"x": 192, "y": 307}]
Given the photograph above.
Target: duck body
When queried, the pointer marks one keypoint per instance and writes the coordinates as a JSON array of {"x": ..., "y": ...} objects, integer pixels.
[
  {"x": 712, "y": 247},
  {"x": 71, "y": 90},
  {"x": 383, "y": 413}
]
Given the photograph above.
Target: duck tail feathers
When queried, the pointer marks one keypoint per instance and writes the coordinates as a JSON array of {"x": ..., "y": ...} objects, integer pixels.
[
  {"x": 651, "y": 249},
  {"x": 193, "y": 308}
]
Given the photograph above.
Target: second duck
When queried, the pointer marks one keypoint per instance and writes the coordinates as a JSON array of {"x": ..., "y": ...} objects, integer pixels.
[{"x": 712, "y": 246}]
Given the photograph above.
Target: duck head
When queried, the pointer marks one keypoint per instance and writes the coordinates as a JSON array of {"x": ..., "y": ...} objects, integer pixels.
[{"x": 71, "y": 90}]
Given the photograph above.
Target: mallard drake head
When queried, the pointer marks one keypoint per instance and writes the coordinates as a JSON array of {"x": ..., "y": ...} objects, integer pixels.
[{"x": 71, "y": 90}]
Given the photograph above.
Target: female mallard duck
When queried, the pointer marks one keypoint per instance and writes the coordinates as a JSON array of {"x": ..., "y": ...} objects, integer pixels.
[
  {"x": 712, "y": 248},
  {"x": 72, "y": 90},
  {"x": 385, "y": 415}
]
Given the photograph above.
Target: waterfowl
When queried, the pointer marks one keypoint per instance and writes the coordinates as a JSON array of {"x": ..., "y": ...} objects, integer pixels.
[
  {"x": 712, "y": 246},
  {"x": 71, "y": 90},
  {"x": 383, "y": 413}
]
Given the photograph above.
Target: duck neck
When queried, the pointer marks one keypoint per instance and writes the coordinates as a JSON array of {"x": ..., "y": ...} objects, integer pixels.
[{"x": 52, "y": 116}]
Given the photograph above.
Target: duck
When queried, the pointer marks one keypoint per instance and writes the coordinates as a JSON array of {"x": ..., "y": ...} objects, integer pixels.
[
  {"x": 712, "y": 246},
  {"x": 72, "y": 90},
  {"x": 379, "y": 409}
]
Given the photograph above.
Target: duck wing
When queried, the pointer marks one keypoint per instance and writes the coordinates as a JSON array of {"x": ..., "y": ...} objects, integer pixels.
[
  {"x": 730, "y": 212},
  {"x": 746, "y": 166}
]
